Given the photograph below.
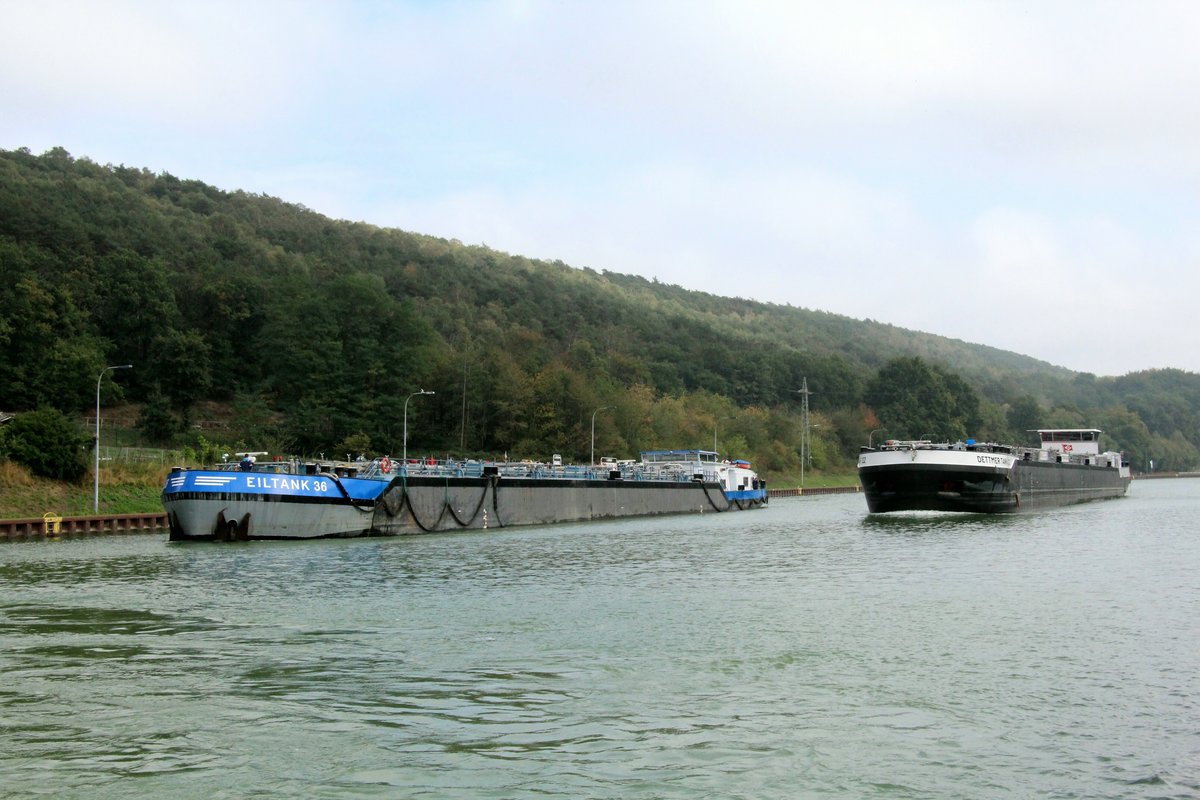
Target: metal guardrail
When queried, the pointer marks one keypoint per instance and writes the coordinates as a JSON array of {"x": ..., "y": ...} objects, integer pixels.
[
  {"x": 155, "y": 454},
  {"x": 803, "y": 492}
]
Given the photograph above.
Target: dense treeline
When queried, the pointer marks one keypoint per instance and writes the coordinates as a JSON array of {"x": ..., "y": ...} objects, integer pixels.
[{"x": 314, "y": 333}]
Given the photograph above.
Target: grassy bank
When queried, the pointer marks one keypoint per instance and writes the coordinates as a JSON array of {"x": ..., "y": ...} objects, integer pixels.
[
  {"x": 124, "y": 489},
  {"x": 819, "y": 480}
]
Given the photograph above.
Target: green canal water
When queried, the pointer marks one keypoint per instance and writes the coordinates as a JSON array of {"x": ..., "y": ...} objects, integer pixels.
[{"x": 804, "y": 650}]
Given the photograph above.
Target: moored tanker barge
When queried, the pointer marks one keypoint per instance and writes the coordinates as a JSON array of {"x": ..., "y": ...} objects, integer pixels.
[
  {"x": 293, "y": 500},
  {"x": 990, "y": 478}
]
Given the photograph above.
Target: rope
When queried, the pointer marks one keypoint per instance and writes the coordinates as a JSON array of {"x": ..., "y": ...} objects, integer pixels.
[
  {"x": 355, "y": 503},
  {"x": 495, "y": 480},
  {"x": 396, "y": 508},
  {"x": 406, "y": 499},
  {"x": 728, "y": 503},
  {"x": 478, "y": 507},
  {"x": 413, "y": 513}
]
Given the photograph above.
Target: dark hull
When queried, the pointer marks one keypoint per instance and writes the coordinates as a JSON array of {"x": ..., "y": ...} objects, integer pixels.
[{"x": 1031, "y": 485}]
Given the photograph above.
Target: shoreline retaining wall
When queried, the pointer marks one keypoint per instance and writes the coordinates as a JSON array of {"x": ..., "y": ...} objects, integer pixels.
[{"x": 53, "y": 525}]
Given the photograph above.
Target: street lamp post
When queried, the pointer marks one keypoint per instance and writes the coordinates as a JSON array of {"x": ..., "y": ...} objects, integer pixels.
[
  {"x": 96, "y": 487},
  {"x": 410, "y": 397},
  {"x": 715, "y": 421},
  {"x": 871, "y": 437},
  {"x": 594, "y": 413}
]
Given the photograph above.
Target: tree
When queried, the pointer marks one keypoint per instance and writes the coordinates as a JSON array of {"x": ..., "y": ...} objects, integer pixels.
[
  {"x": 182, "y": 368},
  {"x": 134, "y": 307},
  {"x": 216, "y": 295},
  {"x": 156, "y": 422},
  {"x": 1175, "y": 454},
  {"x": 853, "y": 427},
  {"x": 966, "y": 411},
  {"x": 352, "y": 446},
  {"x": 48, "y": 357},
  {"x": 915, "y": 400},
  {"x": 301, "y": 336},
  {"x": 1125, "y": 431},
  {"x": 1025, "y": 414},
  {"x": 48, "y": 443}
]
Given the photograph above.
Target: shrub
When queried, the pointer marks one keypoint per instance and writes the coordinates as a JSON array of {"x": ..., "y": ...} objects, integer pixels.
[{"x": 48, "y": 443}]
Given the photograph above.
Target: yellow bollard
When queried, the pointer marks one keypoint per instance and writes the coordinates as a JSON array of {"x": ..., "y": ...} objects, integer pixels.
[{"x": 51, "y": 523}]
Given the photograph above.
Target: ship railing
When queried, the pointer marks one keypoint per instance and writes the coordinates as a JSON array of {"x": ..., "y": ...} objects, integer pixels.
[
  {"x": 968, "y": 446},
  {"x": 472, "y": 468},
  {"x": 283, "y": 467},
  {"x": 907, "y": 444}
]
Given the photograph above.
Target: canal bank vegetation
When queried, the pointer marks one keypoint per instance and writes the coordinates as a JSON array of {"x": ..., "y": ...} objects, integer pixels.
[
  {"x": 124, "y": 489},
  {"x": 256, "y": 324}
]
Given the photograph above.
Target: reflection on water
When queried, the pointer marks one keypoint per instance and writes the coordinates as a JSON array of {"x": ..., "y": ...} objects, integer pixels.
[
  {"x": 942, "y": 522},
  {"x": 808, "y": 649},
  {"x": 59, "y": 566}
]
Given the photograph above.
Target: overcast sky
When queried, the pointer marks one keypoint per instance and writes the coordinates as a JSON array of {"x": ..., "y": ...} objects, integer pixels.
[{"x": 1023, "y": 175}]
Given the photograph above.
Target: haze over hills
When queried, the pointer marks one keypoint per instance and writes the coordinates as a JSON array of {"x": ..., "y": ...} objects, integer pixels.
[{"x": 316, "y": 332}]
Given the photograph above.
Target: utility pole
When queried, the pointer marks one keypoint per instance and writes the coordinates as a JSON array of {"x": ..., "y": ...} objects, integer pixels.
[
  {"x": 594, "y": 413},
  {"x": 462, "y": 428},
  {"x": 804, "y": 443}
]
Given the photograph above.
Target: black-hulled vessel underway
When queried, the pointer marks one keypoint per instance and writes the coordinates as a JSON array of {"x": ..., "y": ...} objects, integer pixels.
[{"x": 991, "y": 478}]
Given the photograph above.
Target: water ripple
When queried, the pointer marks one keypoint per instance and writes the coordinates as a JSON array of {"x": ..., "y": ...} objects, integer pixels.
[{"x": 805, "y": 650}]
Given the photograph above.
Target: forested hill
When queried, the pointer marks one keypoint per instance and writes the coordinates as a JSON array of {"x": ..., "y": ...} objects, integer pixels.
[{"x": 316, "y": 332}]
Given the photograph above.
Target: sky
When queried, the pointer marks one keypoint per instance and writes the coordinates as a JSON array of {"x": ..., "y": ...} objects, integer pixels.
[{"x": 1021, "y": 175}]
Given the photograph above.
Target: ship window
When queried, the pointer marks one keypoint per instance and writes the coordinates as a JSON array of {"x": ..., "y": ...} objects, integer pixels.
[{"x": 1070, "y": 436}]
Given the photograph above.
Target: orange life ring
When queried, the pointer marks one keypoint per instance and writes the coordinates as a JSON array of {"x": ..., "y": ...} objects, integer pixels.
[{"x": 385, "y": 465}]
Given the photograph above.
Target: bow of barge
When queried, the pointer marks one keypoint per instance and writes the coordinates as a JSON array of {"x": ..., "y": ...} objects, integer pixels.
[{"x": 991, "y": 478}]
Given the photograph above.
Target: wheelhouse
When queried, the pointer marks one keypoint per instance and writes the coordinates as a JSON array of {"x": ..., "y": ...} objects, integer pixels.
[
  {"x": 1076, "y": 441},
  {"x": 679, "y": 456}
]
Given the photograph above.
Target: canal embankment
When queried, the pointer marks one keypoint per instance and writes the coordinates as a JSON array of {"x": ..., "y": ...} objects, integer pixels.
[{"x": 54, "y": 525}]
